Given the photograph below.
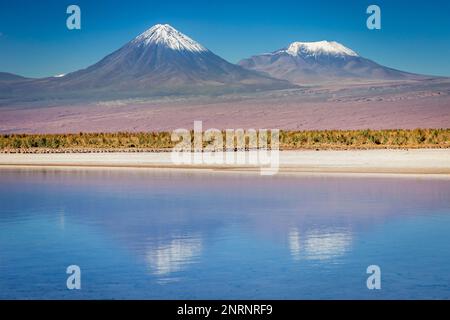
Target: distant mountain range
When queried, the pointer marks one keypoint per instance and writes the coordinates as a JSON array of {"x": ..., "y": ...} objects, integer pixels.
[
  {"x": 9, "y": 77},
  {"x": 160, "y": 61},
  {"x": 163, "y": 61},
  {"x": 319, "y": 62}
]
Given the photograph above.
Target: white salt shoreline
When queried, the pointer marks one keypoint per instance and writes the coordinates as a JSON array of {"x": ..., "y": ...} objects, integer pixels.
[{"x": 413, "y": 161}]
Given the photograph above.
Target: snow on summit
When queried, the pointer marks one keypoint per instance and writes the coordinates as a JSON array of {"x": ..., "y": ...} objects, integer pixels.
[
  {"x": 319, "y": 48},
  {"x": 164, "y": 34}
]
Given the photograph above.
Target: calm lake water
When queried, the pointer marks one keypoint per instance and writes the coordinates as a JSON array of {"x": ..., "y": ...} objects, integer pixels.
[{"x": 162, "y": 234}]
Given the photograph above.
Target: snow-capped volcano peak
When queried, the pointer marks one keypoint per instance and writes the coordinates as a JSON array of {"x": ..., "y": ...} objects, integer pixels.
[
  {"x": 164, "y": 34},
  {"x": 319, "y": 48}
]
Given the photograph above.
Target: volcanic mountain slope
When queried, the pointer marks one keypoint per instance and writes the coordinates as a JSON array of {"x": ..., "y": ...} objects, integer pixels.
[
  {"x": 159, "y": 61},
  {"x": 321, "y": 61},
  {"x": 10, "y": 77}
]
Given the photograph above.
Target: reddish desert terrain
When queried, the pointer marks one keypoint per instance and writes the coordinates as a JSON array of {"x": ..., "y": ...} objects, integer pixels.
[{"x": 387, "y": 105}]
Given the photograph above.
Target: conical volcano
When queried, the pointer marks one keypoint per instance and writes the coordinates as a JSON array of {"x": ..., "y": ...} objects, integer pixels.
[{"x": 163, "y": 60}]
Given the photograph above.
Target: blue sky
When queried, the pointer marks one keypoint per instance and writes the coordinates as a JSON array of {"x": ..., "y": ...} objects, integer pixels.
[{"x": 34, "y": 40}]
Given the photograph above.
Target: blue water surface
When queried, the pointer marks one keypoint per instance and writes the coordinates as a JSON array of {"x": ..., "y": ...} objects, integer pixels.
[{"x": 148, "y": 234}]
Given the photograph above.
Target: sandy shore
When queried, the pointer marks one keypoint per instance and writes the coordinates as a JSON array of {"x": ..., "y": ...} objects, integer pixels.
[{"x": 422, "y": 161}]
